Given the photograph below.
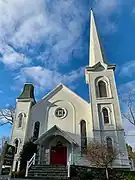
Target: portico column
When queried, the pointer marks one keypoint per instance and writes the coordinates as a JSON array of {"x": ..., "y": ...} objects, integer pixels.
[
  {"x": 39, "y": 154},
  {"x": 42, "y": 155},
  {"x": 72, "y": 154}
]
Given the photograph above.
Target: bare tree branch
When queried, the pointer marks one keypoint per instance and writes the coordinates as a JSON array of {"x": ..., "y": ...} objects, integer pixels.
[
  {"x": 100, "y": 156},
  {"x": 7, "y": 115},
  {"x": 129, "y": 102}
]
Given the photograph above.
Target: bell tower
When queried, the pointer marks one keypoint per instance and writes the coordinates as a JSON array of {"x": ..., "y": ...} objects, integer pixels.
[
  {"x": 21, "y": 122},
  {"x": 106, "y": 116}
]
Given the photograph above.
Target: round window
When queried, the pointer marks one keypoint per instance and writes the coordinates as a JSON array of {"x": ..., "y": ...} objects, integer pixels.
[{"x": 60, "y": 112}]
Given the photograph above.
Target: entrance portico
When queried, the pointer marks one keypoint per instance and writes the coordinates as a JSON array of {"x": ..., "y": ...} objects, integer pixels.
[{"x": 55, "y": 147}]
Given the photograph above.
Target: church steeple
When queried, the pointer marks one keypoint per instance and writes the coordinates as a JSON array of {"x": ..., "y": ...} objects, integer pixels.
[
  {"x": 105, "y": 109},
  {"x": 95, "y": 52}
]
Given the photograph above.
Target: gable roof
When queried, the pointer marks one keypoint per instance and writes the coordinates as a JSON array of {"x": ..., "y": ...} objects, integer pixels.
[
  {"x": 50, "y": 132},
  {"x": 57, "y": 89}
]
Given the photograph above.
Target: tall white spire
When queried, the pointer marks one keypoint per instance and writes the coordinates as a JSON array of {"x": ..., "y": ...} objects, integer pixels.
[{"x": 95, "y": 51}]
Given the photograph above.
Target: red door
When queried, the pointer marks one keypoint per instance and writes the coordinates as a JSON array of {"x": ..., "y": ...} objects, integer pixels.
[{"x": 58, "y": 156}]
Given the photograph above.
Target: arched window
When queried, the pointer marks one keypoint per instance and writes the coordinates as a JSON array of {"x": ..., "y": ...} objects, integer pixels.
[
  {"x": 36, "y": 130},
  {"x": 109, "y": 144},
  {"x": 102, "y": 89},
  {"x": 105, "y": 115},
  {"x": 83, "y": 136},
  {"x": 16, "y": 142},
  {"x": 20, "y": 119}
]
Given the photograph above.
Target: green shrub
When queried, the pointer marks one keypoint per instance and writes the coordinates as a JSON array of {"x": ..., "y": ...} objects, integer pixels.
[
  {"x": 18, "y": 174},
  {"x": 83, "y": 173},
  {"x": 26, "y": 154}
]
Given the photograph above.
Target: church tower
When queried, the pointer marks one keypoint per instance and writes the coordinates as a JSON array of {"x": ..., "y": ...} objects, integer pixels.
[
  {"x": 106, "y": 116},
  {"x": 21, "y": 122}
]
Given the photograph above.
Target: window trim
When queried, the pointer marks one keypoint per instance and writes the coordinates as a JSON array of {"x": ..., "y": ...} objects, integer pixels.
[
  {"x": 38, "y": 129},
  {"x": 63, "y": 116},
  {"x": 109, "y": 119},
  {"x": 18, "y": 120},
  {"x": 108, "y": 137},
  {"x": 99, "y": 90},
  {"x": 108, "y": 89}
]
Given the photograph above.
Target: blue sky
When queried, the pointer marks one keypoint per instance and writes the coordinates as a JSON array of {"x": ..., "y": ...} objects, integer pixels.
[{"x": 47, "y": 42}]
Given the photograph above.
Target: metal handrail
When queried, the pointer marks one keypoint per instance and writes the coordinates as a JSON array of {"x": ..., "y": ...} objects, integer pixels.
[{"x": 29, "y": 163}]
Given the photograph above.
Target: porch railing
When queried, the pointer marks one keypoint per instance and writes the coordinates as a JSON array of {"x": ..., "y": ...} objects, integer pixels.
[
  {"x": 29, "y": 163},
  {"x": 69, "y": 164}
]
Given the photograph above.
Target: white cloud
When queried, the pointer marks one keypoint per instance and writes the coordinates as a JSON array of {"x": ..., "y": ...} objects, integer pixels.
[
  {"x": 11, "y": 58},
  {"x": 3, "y": 121},
  {"x": 133, "y": 10},
  {"x": 126, "y": 87},
  {"x": 25, "y": 26},
  {"x": 128, "y": 69},
  {"x": 28, "y": 24},
  {"x": 46, "y": 79},
  {"x": 105, "y": 9}
]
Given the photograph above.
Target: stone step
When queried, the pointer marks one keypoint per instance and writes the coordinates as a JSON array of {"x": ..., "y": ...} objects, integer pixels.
[
  {"x": 47, "y": 175},
  {"x": 44, "y": 165},
  {"x": 52, "y": 167},
  {"x": 48, "y": 178},
  {"x": 47, "y": 170}
]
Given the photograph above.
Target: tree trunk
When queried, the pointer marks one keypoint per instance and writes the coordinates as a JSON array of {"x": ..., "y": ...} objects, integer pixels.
[{"x": 106, "y": 172}]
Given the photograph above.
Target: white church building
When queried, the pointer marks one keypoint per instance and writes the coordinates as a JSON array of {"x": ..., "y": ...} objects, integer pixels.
[{"x": 63, "y": 124}]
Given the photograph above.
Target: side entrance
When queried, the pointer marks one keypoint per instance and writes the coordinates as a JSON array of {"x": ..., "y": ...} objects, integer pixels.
[{"x": 58, "y": 156}]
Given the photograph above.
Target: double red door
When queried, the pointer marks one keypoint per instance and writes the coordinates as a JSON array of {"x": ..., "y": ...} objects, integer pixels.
[{"x": 58, "y": 156}]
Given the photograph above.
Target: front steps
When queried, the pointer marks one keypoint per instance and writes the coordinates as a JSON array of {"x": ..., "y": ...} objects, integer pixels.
[{"x": 48, "y": 172}]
